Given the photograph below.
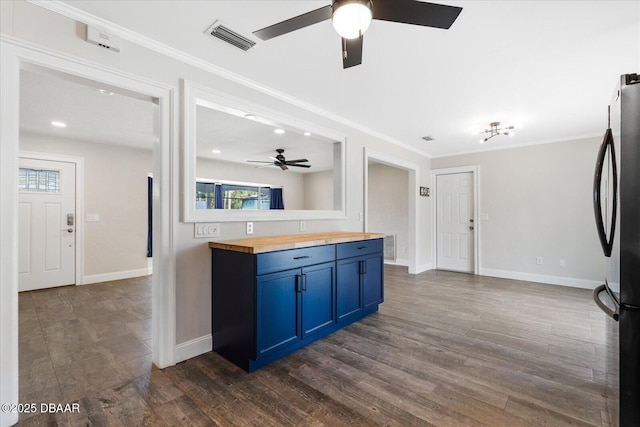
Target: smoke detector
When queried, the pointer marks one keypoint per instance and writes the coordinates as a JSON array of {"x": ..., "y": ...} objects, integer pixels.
[
  {"x": 223, "y": 32},
  {"x": 103, "y": 39}
]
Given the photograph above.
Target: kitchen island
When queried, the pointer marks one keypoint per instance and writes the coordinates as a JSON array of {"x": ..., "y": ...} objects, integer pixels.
[{"x": 274, "y": 295}]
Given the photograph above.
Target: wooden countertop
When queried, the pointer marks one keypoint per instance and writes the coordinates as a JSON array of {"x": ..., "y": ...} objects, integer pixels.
[{"x": 257, "y": 245}]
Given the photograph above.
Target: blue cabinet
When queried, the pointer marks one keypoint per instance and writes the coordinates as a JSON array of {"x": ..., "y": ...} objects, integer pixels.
[
  {"x": 267, "y": 305},
  {"x": 359, "y": 284},
  {"x": 293, "y": 305}
]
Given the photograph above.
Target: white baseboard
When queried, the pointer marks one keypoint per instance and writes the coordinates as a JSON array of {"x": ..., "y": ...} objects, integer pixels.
[
  {"x": 118, "y": 275},
  {"x": 541, "y": 278},
  {"x": 422, "y": 268},
  {"x": 193, "y": 348},
  {"x": 401, "y": 262}
]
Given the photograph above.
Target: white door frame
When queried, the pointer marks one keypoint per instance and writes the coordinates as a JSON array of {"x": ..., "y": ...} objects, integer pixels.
[
  {"x": 14, "y": 55},
  {"x": 413, "y": 226},
  {"x": 475, "y": 171},
  {"x": 79, "y": 227}
]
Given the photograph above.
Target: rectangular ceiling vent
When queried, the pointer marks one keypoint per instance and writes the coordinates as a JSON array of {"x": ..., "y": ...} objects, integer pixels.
[
  {"x": 428, "y": 138},
  {"x": 226, "y": 34}
]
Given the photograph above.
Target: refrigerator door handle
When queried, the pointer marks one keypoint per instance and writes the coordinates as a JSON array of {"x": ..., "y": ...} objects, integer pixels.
[
  {"x": 607, "y": 144},
  {"x": 596, "y": 297}
]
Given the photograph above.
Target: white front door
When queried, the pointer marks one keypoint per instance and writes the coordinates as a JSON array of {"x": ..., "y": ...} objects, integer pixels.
[
  {"x": 454, "y": 222},
  {"x": 47, "y": 224}
]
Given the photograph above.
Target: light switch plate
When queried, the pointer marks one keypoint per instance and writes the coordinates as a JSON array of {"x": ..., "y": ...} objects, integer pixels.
[
  {"x": 203, "y": 230},
  {"x": 93, "y": 217}
]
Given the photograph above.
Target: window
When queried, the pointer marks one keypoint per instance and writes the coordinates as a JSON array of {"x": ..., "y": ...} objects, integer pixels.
[
  {"x": 39, "y": 180},
  {"x": 216, "y": 195},
  {"x": 205, "y": 195}
]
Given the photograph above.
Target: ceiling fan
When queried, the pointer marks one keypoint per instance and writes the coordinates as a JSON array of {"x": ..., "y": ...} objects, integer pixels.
[
  {"x": 351, "y": 18},
  {"x": 281, "y": 162}
]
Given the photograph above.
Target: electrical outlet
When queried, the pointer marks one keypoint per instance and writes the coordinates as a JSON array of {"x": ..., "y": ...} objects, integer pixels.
[
  {"x": 303, "y": 225},
  {"x": 204, "y": 230},
  {"x": 539, "y": 260},
  {"x": 249, "y": 228}
]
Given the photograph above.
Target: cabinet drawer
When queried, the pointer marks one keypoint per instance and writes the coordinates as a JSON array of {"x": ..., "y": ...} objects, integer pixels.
[
  {"x": 270, "y": 262},
  {"x": 361, "y": 247}
]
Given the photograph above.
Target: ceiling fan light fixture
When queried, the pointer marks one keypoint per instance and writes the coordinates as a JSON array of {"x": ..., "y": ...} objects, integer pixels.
[{"x": 351, "y": 18}]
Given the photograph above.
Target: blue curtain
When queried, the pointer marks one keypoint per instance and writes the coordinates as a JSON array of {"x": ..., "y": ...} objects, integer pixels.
[
  {"x": 277, "y": 202},
  {"x": 219, "y": 203},
  {"x": 149, "y": 214}
]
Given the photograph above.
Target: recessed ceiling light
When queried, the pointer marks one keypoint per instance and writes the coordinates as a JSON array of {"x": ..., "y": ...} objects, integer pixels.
[
  {"x": 216, "y": 151},
  {"x": 307, "y": 134},
  {"x": 250, "y": 116},
  {"x": 279, "y": 131},
  {"x": 58, "y": 124},
  {"x": 105, "y": 92}
]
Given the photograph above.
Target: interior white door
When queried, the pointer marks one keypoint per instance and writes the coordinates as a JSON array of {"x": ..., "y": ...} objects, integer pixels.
[
  {"x": 454, "y": 222},
  {"x": 47, "y": 224}
]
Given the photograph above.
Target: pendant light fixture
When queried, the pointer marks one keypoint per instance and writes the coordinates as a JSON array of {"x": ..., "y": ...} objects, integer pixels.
[
  {"x": 351, "y": 18},
  {"x": 495, "y": 129}
]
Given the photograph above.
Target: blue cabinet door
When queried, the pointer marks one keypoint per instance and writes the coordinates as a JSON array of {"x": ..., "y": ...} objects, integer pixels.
[
  {"x": 318, "y": 311},
  {"x": 372, "y": 288},
  {"x": 278, "y": 308},
  {"x": 349, "y": 300}
]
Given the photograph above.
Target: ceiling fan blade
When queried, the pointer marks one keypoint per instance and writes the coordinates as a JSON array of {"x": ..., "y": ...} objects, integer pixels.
[
  {"x": 416, "y": 13},
  {"x": 258, "y": 161},
  {"x": 300, "y": 166},
  {"x": 351, "y": 52},
  {"x": 295, "y": 23},
  {"x": 296, "y": 161},
  {"x": 283, "y": 166}
]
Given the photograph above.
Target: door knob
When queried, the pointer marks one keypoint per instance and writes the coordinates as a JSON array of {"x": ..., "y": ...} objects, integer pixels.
[
  {"x": 471, "y": 220},
  {"x": 471, "y": 227},
  {"x": 69, "y": 230}
]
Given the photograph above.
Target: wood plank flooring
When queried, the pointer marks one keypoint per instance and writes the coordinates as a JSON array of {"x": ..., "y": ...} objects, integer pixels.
[{"x": 445, "y": 349}]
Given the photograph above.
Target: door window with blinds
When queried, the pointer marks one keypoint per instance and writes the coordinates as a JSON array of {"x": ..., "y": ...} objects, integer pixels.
[{"x": 38, "y": 180}]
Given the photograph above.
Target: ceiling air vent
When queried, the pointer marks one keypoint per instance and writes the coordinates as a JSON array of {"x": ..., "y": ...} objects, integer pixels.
[
  {"x": 428, "y": 138},
  {"x": 224, "y": 33}
]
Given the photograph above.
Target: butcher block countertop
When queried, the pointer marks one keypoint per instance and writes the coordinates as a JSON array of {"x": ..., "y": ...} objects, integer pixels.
[{"x": 256, "y": 245}]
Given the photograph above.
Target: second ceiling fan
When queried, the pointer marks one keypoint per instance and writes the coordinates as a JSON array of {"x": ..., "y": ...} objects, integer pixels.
[
  {"x": 280, "y": 161},
  {"x": 351, "y": 18}
]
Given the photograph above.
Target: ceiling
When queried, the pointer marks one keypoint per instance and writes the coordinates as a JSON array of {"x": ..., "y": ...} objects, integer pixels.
[
  {"x": 96, "y": 113},
  {"x": 239, "y": 139},
  {"x": 548, "y": 66},
  {"x": 92, "y": 112}
]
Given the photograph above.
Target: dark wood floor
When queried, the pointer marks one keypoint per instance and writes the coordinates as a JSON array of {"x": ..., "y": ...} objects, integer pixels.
[{"x": 446, "y": 349}]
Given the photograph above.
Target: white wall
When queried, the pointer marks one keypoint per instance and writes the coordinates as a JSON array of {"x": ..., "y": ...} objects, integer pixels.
[
  {"x": 115, "y": 187},
  {"x": 192, "y": 257},
  {"x": 318, "y": 190},
  {"x": 388, "y": 204},
  {"x": 539, "y": 203}
]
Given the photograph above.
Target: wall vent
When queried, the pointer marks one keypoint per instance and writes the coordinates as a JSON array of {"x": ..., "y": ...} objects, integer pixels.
[
  {"x": 390, "y": 247},
  {"x": 226, "y": 34},
  {"x": 428, "y": 138}
]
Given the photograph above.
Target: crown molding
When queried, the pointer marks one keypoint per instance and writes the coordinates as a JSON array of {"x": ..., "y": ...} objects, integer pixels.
[
  {"x": 79, "y": 15},
  {"x": 521, "y": 145}
]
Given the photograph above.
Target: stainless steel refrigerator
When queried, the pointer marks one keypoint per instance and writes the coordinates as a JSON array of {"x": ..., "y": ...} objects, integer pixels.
[{"x": 616, "y": 199}]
